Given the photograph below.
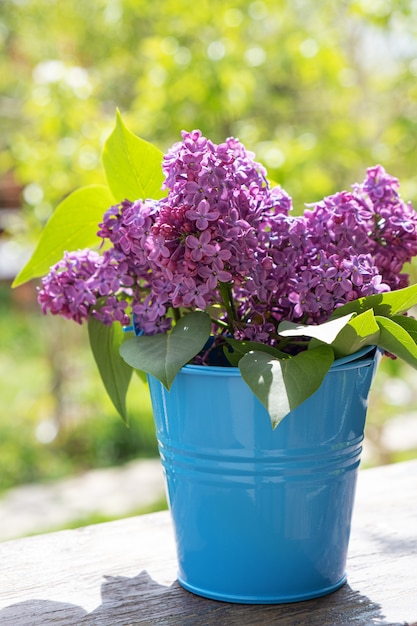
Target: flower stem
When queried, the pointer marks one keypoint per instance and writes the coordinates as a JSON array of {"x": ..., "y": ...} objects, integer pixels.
[
  {"x": 226, "y": 296},
  {"x": 176, "y": 314},
  {"x": 220, "y": 323}
]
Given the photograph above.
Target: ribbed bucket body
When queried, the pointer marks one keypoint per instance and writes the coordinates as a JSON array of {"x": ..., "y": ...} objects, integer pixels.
[{"x": 261, "y": 516}]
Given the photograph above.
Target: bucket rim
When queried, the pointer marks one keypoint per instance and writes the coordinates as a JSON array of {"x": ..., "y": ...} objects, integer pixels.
[{"x": 355, "y": 360}]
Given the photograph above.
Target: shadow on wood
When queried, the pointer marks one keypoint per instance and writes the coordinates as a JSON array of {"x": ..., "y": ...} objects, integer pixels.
[{"x": 142, "y": 601}]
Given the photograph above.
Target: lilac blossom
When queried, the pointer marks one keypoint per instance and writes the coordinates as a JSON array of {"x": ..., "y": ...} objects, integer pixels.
[
  {"x": 221, "y": 223},
  {"x": 74, "y": 285}
]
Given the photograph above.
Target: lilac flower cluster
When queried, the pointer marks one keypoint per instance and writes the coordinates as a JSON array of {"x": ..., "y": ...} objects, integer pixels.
[
  {"x": 224, "y": 240},
  {"x": 74, "y": 286},
  {"x": 349, "y": 245},
  {"x": 203, "y": 234}
]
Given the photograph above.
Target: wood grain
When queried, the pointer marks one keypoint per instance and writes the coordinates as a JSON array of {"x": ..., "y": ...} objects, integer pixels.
[{"x": 123, "y": 573}]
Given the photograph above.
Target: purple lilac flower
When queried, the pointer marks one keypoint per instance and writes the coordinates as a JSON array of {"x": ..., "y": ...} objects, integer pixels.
[
  {"x": 202, "y": 214},
  {"x": 114, "y": 310},
  {"x": 74, "y": 285},
  {"x": 392, "y": 225},
  {"x": 206, "y": 230},
  {"x": 222, "y": 222}
]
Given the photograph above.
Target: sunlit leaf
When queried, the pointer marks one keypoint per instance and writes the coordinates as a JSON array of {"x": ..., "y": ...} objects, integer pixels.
[
  {"x": 72, "y": 226},
  {"x": 326, "y": 332},
  {"x": 388, "y": 304},
  {"x": 395, "y": 339},
  {"x": 408, "y": 323},
  {"x": 283, "y": 384},
  {"x": 361, "y": 331},
  {"x": 133, "y": 166}
]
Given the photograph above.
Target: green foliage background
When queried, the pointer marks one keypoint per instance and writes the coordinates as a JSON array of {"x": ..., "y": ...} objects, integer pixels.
[
  {"x": 318, "y": 90},
  {"x": 55, "y": 418}
]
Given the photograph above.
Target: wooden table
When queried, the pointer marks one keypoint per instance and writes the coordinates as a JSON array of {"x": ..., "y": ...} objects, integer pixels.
[{"x": 123, "y": 573}]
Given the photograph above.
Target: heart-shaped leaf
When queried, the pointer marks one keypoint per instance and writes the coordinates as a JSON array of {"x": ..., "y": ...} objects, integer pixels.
[
  {"x": 283, "y": 384},
  {"x": 73, "y": 225},
  {"x": 133, "y": 166},
  {"x": 163, "y": 355},
  {"x": 115, "y": 373}
]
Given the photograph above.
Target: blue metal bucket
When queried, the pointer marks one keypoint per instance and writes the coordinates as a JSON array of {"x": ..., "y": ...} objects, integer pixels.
[{"x": 261, "y": 516}]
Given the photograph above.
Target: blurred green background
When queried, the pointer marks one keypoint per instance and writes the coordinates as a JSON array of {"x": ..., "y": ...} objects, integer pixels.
[{"x": 319, "y": 91}]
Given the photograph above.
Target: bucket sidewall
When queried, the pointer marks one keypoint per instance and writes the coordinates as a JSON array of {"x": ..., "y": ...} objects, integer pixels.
[{"x": 261, "y": 515}]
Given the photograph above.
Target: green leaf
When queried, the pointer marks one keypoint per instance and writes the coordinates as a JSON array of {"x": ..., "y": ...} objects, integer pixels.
[
  {"x": 105, "y": 344},
  {"x": 362, "y": 330},
  {"x": 395, "y": 339},
  {"x": 133, "y": 166},
  {"x": 325, "y": 332},
  {"x": 408, "y": 323},
  {"x": 142, "y": 376},
  {"x": 163, "y": 355},
  {"x": 242, "y": 347},
  {"x": 73, "y": 225},
  {"x": 283, "y": 384},
  {"x": 387, "y": 304}
]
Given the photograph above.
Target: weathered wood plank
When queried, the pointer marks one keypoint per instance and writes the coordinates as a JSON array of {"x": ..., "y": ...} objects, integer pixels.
[{"x": 123, "y": 573}]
